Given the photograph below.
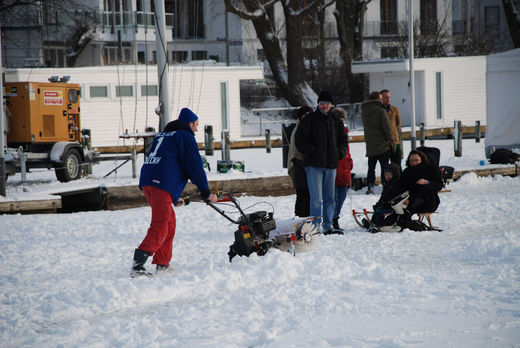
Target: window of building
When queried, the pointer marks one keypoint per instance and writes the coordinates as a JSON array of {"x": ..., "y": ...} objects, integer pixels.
[
  {"x": 428, "y": 11},
  {"x": 189, "y": 19},
  {"x": 198, "y": 55},
  {"x": 124, "y": 91},
  {"x": 149, "y": 90},
  {"x": 179, "y": 56},
  {"x": 388, "y": 12},
  {"x": 214, "y": 57},
  {"x": 389, "y": 52},
  {"x": 98, "y": 91},
  {"x": 111, "y": 53},
  {"x": 492, "y": 17},
  {"x": 55, "y": 57}
]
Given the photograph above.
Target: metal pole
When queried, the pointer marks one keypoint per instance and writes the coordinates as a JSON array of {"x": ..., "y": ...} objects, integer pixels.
[
  {"x": 23, "y": 161},
  {"x": 412, "y": 75},
  {"x": 162, "y": 64},
  {"x": 477, "y": 131},
  {"x": 134, "y": 163},
  {"x": 457, "y": 138},
  {"x": 227, "y": 39},
  {"x": 2, "y": 129}
]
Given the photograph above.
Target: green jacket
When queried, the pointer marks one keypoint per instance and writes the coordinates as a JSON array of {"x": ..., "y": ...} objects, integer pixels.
[{"x": 378, "y": 134}]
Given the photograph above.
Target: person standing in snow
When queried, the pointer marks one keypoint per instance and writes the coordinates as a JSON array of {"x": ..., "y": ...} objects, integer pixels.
[
  {"x": 343, "y": 171},
  {"x": 378, "y": 137},
  {"x": 296, "y": 169},
  {"x": 173, "y": 159},
  {"x": 395, "y": 125},
  {"x": 322, "y": 140}
]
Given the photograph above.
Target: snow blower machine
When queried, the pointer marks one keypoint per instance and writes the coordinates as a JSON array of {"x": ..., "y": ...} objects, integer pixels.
[{"x": 258, "y": 231}]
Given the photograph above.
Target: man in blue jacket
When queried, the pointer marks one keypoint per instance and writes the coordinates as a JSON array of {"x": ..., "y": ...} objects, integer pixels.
[{"x": 173, "y": 159}]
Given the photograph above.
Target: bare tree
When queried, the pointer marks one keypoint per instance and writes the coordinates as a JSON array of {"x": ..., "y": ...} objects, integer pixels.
[
  {"x": 513, "y": 21},
  {"x": 80, "y": 34},
  {"x": 350, "y": 21},
  {"x": 75, "y": 33},
  {"x": 289, "y": 75}
]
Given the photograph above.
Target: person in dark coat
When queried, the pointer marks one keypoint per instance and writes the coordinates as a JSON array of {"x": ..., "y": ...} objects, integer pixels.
[
  {"x": 390, "y": 190},
  {"x": 296, "y": 169},
  {"x": 343, "y": 171},
  {"x": 173, "y": 159},
  {"x": 423, "y": 181},
  {"x": 322, "y": 140},
  {"x": 378, "y": 137}
]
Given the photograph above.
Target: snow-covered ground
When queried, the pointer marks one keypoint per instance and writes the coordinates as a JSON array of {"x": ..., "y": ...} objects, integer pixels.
[{"x": 65, "y": 279}]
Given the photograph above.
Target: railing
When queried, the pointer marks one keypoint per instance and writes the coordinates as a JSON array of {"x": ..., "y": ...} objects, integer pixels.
[
  {"x": 274, "y": 118},
  {"x": 383, "y": 28},
  {"x": 133, "y": 18}
]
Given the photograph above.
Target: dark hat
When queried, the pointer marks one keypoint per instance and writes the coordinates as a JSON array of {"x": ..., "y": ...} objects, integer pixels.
[
  {"x": 325, "y": 96},
  {"x": 187, "y": 116},
  {"x": 392, "y": 168}
]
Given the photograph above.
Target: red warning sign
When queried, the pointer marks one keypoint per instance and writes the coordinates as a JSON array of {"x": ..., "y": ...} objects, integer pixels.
[{"x": 53, "y": 98}]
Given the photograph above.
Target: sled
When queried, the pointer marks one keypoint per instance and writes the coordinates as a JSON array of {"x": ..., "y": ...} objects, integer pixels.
[
  {"x": 258, "y": 232},
  {"x": 398, "y": 205},
  {"x": 358, "y": 215}
]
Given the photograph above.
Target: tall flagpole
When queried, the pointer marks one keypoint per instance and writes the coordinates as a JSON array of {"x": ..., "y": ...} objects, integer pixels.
[
  {"x": 3, "y": 127},
  {"x": 412, "y": 75},
  {"x": 162, "y": 64}
]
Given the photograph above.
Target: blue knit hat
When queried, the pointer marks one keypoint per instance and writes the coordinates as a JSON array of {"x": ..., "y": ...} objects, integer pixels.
[{"x": 187, "y": 116}]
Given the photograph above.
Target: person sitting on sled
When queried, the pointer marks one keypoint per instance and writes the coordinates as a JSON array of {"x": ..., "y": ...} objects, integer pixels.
[
  {"x": 423, "y": 181},
  {"x": 418, "y": 185},
  {"x": 390, "y": 190}
]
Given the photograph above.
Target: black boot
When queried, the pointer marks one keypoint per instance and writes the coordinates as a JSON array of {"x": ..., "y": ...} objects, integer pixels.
[
  {"x": 140, "y": 257},
  {"x": 335, "y": 223}
]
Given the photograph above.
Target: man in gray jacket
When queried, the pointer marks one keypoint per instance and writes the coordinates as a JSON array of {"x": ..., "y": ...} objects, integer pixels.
[{"x": 378, "y": 137}]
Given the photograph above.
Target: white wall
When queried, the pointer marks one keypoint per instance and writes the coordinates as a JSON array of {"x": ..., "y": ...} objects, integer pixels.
[
  {"x": 196, "y": 87},
  {"x": 463, "y": 89}
]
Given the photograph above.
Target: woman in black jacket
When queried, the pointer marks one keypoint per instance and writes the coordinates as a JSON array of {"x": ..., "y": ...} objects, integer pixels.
[{"x": 423, "y": 181}]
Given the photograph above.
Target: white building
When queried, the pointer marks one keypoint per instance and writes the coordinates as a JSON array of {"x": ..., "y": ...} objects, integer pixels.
[
  {"x": 446, "y": 89},
  {"x": 118, "y": 99},
  {"x": 196, "y": 30}
]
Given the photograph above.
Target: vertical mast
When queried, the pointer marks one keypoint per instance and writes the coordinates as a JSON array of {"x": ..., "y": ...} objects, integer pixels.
[
  {"x": 162, "y": 64},
  {"x": 412, "y": 74},
  {"x": 2, "y": 128}
]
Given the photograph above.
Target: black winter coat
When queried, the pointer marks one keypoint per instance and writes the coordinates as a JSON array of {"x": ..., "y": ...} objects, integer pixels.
[
  {"x": 321, "y": 139},
  {"x": 428, "y": 192}
]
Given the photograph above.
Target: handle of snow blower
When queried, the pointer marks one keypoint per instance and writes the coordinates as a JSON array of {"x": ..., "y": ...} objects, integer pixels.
[{"x": 225, "y": 197}]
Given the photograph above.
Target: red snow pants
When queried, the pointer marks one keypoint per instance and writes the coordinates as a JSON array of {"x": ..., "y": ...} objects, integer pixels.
[{"x": 159, "y": 238}]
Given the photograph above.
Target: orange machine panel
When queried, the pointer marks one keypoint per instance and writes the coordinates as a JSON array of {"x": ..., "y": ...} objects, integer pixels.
[{"x": 42, "y": 112}]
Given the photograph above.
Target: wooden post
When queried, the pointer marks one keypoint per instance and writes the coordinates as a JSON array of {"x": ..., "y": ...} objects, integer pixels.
[
  {"x": 268, "y": 140},
  {"x": 421, "y": 134},
  {"x": 208, "y": 140},
  {"x": 457, "y": 138},
  {"x": 477, "y": 131}
]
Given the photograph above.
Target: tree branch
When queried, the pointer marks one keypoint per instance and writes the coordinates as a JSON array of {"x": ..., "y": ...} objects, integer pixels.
[{"x": 244, "y": 14}]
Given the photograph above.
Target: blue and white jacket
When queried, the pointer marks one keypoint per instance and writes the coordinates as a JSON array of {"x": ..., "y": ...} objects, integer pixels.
[{"x": 173, "y": 159}]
